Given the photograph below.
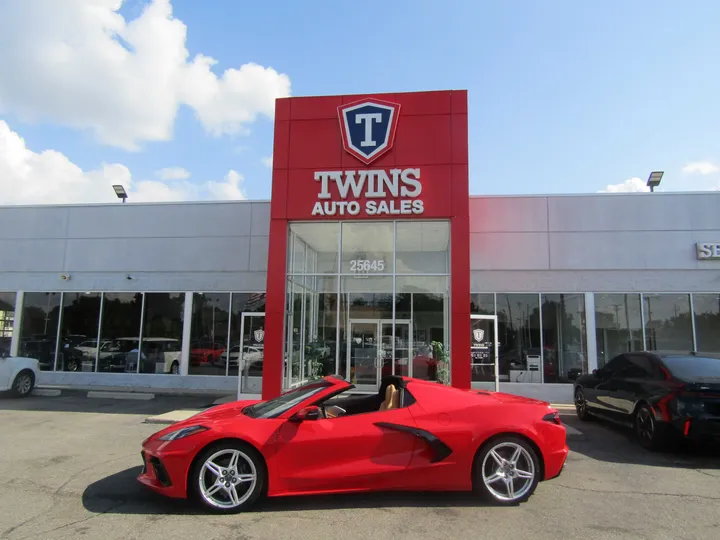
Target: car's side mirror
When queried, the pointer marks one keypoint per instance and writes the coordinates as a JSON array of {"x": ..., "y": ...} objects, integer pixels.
[{"x": 307, "y": 413}]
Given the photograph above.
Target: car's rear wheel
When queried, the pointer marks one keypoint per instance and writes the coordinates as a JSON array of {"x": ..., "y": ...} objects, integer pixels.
[
  {"x": 23, "y": 383},
  {"x": 228, "y": 477},
  {"x": 581, "y": 406},
  {"x": 647, "y": 431},
  {"x": 507, "y": 470}
]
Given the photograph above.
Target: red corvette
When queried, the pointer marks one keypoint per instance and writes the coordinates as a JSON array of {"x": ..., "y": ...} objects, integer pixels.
[{"x": 319, "y": 438}]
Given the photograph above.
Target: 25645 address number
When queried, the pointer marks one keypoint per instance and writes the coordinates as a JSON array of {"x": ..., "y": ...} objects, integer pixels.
[{"x": 367, "y": 266}]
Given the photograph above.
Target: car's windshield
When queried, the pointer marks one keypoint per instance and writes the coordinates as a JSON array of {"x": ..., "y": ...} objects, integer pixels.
[
  {"x": 693, "y": 367},
  {"x": 288, "y": 400}
]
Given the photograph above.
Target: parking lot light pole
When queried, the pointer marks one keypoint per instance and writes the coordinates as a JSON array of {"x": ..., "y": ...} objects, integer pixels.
[{"x": 654, "y": 180}]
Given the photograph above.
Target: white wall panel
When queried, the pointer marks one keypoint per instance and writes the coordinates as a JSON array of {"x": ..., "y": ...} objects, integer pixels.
[
  {"x": 31, "y": 255},
  {"x": 160, "y": 220},
  {"x": 635, "y": 212},
  {"x": 33, "y": 222},
  {"x": 508, "y": 214},
  {"x": 512, "y": 251},
  {"x": 228, "y": 254},
  {"x": 595, "y": 281}
]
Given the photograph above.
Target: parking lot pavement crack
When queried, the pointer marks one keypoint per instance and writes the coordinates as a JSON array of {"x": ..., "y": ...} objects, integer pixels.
[
  {"x": 99, "y": 514},
  {"x": 7, "y": 532},
  {"x": 644, "y": 493},
  {"x": 88, "y": 468}
]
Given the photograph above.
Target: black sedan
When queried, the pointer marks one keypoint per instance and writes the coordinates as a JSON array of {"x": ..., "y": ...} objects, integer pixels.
[{"x": 660, "y": 395}]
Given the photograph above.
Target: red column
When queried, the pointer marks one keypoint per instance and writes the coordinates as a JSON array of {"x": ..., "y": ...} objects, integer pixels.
[{"x": 461, "y": 372}]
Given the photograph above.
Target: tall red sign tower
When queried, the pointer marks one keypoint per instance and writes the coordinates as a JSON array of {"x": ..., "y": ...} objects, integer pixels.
[{"x": 362, "y": 158}]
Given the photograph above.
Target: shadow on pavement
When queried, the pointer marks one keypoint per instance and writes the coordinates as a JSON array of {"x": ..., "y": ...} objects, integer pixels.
[
  {"x": 80, "y": 403},
  {"x": 604, "y": 441},
  {"x": 121, "y": 493}
]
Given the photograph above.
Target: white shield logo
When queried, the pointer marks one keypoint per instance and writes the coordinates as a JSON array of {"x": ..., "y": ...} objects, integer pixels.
[
  {"x": 259, "y": 335},
  {"x": 368, "y": 128},
  {"x": 478, "y": 334}
]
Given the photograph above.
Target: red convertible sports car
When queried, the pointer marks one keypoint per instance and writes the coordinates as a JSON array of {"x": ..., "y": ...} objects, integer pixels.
[{"x": 317, "y": 438}]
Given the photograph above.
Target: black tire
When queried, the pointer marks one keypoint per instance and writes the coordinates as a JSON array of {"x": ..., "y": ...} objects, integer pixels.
[
  {"x": 209, "y": 359},
  {"x": 581, "y": 407},
  {"x": 23, "y": 384},
  {"x": 72, "y": 365},
  {"x": 175, "y": 368},
  {"x": 485, "y": 464},
  {"x": 256, "y": 490},
  {"x": 647, "y": 431}
]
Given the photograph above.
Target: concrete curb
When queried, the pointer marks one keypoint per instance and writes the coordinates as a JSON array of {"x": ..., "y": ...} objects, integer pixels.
[
  {"x": 121, "y": 395},
  {"x": 46, "y": 392},
  {"x": 172, "y": 417}
]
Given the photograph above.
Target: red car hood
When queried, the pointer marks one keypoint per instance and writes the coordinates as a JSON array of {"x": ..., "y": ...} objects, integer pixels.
[
  {"x": 510, "y": 398},
  {"x": 209, "y": 416}
]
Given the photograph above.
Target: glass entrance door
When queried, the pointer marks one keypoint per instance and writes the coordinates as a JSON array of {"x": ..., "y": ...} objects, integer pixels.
[
  {"x": 364, "y": 353},
  {"x": 370, "y": 351},
  {"x": 402, "y": 350},
  {"x": 484, "y": 349},
  {"x": 250, "y": 353}
]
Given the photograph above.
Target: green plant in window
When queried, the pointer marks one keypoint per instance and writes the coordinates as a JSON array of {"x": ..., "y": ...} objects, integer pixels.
[
  {"x": 442, "y": 370},
  {"x": 314, "y": 365}
]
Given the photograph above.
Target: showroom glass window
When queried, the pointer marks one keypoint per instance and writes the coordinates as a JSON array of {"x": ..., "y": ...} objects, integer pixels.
[
  {"x": 162, "y": 331},
  {"x": 209, "y": 331},
  {"x": 519, "y": 336},
  {"x": 7, "y": 320},
  {"x": 366, "y": 299},
  {"x": 39, "y": 328},
  {"x": 564, "y": 337},
  {"x": 668, "y": 324},
  {"x": 707, "y": 322},
  {"x": 482, "y": 304},
  {"x": 79, "y": 331},
  {"x": 618, "y": 325},
  {"x": 119, "y": 332}
]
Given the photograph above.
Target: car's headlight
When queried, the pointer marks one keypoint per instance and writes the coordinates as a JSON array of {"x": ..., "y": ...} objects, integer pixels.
[{"x": 182, "y": 433}]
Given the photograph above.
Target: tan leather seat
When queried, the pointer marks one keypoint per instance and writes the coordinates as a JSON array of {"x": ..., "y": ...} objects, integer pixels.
[{"x": 392, "y": 398}]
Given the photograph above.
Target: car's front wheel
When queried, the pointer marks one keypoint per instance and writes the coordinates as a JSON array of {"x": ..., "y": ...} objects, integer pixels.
[
  {"x": 581, "y": 406},
  {"x": 23, "y": 383},
  {"x": 228, "y": 477},
  {"x": 507, "y": 470}
]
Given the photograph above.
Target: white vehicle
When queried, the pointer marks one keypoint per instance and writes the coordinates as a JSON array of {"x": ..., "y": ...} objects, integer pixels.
[
  {"x": 250, "y": 355},
  {"x": 18, "y": 374}
]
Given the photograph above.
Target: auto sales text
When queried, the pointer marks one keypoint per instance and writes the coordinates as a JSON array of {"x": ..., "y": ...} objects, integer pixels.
[{"x": 401, "y": 185}]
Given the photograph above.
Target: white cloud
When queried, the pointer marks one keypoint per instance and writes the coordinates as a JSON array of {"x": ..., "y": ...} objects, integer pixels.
[
  {"x": 700, "y": 167},
  {"x": 268, "y": 162},
  {"x": 81, "y": 64},
  {"x": 49, "y": 177},
  {"x": 631, "y": 185},
  {"x": 173, "y": 173}
]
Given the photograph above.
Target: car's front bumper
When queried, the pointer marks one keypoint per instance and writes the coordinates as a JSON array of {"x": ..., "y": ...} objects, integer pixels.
[{"x": 165, "y": 472}]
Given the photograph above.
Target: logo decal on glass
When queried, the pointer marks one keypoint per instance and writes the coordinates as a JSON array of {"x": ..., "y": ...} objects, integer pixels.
[
  {"x": 478, "y": 334},
  {"x": 259, "y": 335},
  {"x": 368, "y": 128}
]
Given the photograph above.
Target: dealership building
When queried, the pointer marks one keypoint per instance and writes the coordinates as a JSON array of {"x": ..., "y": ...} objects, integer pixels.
[{"x": 370, "y": 259}]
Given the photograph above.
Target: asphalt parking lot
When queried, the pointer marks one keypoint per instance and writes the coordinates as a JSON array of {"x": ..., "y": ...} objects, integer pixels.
[{"x": 68, "y": 466}]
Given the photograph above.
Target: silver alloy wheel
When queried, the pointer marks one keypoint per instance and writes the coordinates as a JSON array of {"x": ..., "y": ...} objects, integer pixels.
[
  {"x": 221, "y": 476},
  {"x": 508, "y": 471},
  {"x": 23, "y": 384}
]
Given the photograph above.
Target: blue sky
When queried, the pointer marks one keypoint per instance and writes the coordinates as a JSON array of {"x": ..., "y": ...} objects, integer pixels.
[{"x": 564, "y": 96}]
